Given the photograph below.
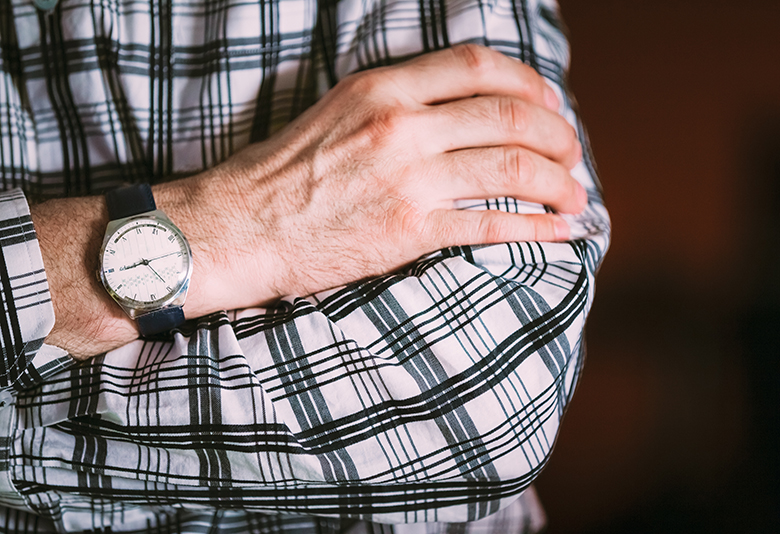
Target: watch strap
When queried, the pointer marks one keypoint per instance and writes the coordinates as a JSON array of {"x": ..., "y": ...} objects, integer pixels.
[
  {"x": 160, "y": 320},
  {"x": 130, "y": 200}
]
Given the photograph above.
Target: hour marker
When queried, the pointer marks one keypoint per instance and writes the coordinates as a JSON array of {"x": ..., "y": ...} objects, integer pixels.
[{"x": 171, "y": 238}]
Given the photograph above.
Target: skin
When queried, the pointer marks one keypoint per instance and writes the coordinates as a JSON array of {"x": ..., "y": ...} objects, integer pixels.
[{"x": 361, "y": 184}]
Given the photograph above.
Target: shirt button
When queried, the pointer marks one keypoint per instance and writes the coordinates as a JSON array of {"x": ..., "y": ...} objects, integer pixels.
[{"x": 45, "y": 5}]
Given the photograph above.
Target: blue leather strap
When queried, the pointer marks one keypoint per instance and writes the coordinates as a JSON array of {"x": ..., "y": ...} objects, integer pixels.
[
  {"x": 130, "y": 200},
  {"x": 160, "y": 321}
]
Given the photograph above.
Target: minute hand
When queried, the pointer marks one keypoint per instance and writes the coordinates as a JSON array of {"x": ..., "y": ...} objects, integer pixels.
[{"x": 163, "y": 256}]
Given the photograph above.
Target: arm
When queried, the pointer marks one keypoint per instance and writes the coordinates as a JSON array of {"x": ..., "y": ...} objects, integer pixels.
[
  {"x": 362, "y": 184},
  {"x": 447, "y": 379}
]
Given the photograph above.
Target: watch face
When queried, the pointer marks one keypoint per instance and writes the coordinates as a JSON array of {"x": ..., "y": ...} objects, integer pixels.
[{"x": 145, "y": 263}]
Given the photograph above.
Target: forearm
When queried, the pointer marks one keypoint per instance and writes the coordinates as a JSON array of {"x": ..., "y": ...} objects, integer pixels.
[
  {"x": 87, "y": 321},
  {"x": 70, "y": 232},
  {"x": 448, "y": 379}
]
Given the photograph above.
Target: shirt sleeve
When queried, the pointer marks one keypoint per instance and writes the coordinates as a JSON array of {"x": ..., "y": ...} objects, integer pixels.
[
  {"x": 27, "y": 315},
  {"x": 432, "y": 395}
]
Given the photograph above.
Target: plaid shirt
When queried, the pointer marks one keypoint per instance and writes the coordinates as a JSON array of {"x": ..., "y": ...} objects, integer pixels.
[{"x": 428, "y": 396}]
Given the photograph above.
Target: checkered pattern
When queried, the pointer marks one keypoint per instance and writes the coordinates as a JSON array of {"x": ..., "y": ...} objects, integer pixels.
[{"x": 430, "y": 396}]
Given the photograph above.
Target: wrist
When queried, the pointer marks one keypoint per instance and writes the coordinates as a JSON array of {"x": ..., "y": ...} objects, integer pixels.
[
  {"x": 87, "y": 321},
  {"x": 229, "y": 272}
]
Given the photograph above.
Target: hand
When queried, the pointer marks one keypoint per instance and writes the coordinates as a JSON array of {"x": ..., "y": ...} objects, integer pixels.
[
  {"x": 364, "y": 182},
  {"x": 361, "y": 184}
]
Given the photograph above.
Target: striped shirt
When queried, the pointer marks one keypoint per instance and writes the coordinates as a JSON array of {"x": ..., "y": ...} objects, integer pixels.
[{"x": 418, "y": 399}]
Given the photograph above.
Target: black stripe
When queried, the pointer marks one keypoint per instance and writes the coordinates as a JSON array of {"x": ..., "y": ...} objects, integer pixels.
[
  {"x": 166, "y": 73},
  {"x": 78, "y": 140},
  {"x": 269, "y": 60},
  {"x": 11, "y": 333},
  {"x": 49, "y": 64}
]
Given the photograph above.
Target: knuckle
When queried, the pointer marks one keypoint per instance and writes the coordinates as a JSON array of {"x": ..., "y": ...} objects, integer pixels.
[
  {"x": 386, "y": 126},
  {"x": 512, "y": 114},
  {"x": 541, "y": 230},
  {"x": 519, "y": 166},
  {"x": 362, "y": 83},
  {"x": 477, "y": 58},
  {"x": 410, "y": 220},
  {"x": 545, "y": 231},
  {"x": 495, "y": 229},
  {"x": 535, "y": 229}
]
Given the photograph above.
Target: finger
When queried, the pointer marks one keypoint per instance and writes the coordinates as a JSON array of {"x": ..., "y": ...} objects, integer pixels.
[
  {"x": 500, "y": 120},
  {"x": 448, "y": 228},
  {"x": 469, "y": 70},
  {"x": 509, "y": 171}
]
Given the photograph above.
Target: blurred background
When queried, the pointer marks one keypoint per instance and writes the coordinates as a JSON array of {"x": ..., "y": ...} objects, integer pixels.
[{"x": 674, "y": 426}]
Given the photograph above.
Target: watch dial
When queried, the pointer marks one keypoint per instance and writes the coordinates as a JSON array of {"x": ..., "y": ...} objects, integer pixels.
[{"x": 145, "y": 261}]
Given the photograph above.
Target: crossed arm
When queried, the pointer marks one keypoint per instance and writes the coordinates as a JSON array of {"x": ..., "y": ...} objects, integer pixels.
[
  {"x": 430, "y": 393},
  {"x": 362, "y": 184}
]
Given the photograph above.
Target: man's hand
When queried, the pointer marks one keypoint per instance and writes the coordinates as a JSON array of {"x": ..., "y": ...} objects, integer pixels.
[{"x": 363, "y": 183}]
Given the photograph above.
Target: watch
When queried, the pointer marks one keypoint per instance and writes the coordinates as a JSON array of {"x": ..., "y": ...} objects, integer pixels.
[{"x": 145, "y": 260}]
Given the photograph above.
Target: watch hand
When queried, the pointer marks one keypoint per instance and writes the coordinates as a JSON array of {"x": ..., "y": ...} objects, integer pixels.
[
  {"x": 146, "y": 262},
  {"x": 136, "y": 264},
  {"x": 163, "y": 256}
]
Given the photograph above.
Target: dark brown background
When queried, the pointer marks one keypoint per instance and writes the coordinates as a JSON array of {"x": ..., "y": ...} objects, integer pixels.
[{"x": 674, "y": 427}]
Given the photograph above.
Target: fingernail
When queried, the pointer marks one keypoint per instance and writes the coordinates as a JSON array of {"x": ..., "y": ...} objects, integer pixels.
[
  {"x": 562, "y": 230},
  {"x": 550, "y": 98}
]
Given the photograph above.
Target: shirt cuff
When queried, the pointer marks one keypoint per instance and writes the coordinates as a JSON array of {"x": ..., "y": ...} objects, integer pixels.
[{"x": 27, "y": 314}]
